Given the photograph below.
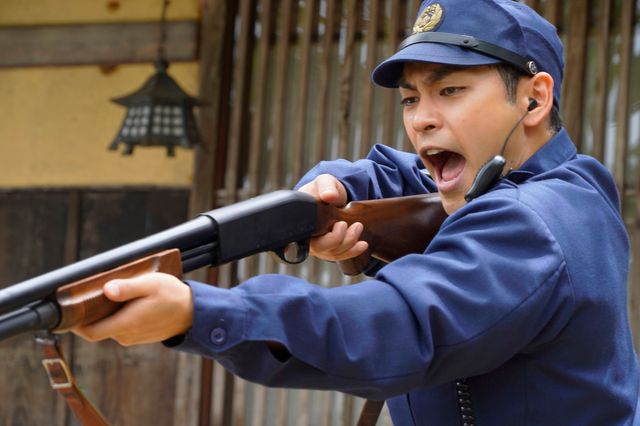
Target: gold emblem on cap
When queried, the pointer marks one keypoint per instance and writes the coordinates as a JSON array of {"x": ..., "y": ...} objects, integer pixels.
[{"x": 429, "y": 19}]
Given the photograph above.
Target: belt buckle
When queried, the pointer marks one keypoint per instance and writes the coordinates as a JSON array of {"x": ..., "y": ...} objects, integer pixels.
[{"x": 49, "y": 365}]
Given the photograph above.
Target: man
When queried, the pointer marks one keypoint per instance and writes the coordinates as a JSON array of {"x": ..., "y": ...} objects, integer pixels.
[{"x": 515, "y": 314}]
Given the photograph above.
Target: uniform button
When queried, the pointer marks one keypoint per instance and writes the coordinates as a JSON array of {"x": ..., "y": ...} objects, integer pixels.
[{"x": 218, "y": 336}]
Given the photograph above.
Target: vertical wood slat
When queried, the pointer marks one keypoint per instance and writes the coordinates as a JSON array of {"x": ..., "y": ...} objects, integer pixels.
[
  {"x": 279, "y": 109},
  {"x": 257, "y": 151},
  {"x": 259, "y": 407},
  {"x": 234, "y": 167},
  {"x": 216, "y": 69},
  {"x": 602, "y": 79},
  {"x": 299, "y": 138},
  {"x": 31, "y": 237},
  {"x": 634, "y": 280},
  {"x": 324, "y": 133},
  {"x": 346, "y": 79},
  {"x": 194, "y": 388},
  {"x": 254, "y": 182},
  {"x": 71, "y": 254},
  {"x": 627, "y": 16},
  {"x": 234, "y": 388},
  {"x": 239, "y": 399},
  {"x": 553, "y": 13},
  {"x": 112, "y": 218},
  {"x": 368, "y": 93},
  {"x": 216, "y": 41},
  {"x": 534, "y": 4},
  {"x": 408, "y": 26},
  {"x": 635, "y": 271},
  {"x": 573, "y": 90},
  {"x": 258, "y": 126},
  {"x": 390, "y": 96},
  {"x": 415, "y": 7},
  {"x": 228, "y": 398},
  {"x": 242, "y": 82},
  {"x": 217, "y": 403},
  {"x": 353, "y": 10},
  {"x": 324, "y": 91}
]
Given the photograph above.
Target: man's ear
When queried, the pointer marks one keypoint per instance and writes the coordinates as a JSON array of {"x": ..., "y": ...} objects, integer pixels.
[{"x": 539, "y": 88}]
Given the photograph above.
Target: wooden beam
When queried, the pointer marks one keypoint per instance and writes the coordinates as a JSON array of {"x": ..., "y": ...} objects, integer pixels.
[
  {"x": 195, "y": 380},
  {"x": 102, "y": 44}
]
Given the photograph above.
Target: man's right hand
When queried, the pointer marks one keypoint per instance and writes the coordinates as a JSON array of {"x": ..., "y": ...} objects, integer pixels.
[{"x": 342, "y": 242}]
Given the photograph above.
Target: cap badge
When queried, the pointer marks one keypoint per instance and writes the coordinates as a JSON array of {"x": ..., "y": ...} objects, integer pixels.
[{"x": 429, "y": 19}]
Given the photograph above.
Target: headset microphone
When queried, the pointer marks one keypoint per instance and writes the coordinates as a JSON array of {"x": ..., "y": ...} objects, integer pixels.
[{"x": 491, "y": 171}]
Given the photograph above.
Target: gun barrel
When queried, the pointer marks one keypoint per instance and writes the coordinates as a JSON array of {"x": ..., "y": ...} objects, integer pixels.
[
  {"x": 194, "y": 233},
  {"x": 43, "y": 315},
  {"x": 266, "y": 222}
]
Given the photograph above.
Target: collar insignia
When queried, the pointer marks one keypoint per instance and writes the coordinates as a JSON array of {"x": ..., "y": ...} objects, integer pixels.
[{"x": 429, "y": 19}]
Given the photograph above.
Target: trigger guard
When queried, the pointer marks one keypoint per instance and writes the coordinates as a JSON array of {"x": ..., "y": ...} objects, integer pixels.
[{"x": 293, "y": 253}]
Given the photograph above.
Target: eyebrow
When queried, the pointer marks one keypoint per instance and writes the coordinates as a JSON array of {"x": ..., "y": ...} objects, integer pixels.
[{"x": 431, "y": 77}]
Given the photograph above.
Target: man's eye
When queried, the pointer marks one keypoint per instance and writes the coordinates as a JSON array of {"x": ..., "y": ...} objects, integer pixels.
[
  {"x": 409, "y": 100},
  {"x": 448, "y": 91}
]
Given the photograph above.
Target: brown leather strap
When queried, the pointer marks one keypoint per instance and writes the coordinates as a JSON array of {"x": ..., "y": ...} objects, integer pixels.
[
  {"x": 370, "y": 413},
  {"x": 63, "y": 381}
]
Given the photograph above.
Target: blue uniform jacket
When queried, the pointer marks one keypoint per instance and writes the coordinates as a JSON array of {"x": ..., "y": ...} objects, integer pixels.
[{"x": 523, "y": 292}]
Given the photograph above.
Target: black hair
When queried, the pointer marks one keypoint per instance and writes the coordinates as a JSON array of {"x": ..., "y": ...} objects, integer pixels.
[{"x": 511, "y": 77}]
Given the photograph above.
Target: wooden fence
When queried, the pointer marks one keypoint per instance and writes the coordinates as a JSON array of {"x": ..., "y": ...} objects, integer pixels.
[
  {"x": 293, "y": 88},
  {"x": 288, "y": 85}
]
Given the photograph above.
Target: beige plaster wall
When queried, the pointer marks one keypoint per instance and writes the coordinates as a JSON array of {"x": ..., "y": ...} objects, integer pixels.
[
  {"x": 56, "y": 122},
  {"x": 31, "y": 12}
]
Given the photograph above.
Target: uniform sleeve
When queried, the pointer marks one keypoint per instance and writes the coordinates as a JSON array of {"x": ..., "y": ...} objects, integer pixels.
[
  {"x": 385, "y": 173},
  {"x": 490, "y": 285}
]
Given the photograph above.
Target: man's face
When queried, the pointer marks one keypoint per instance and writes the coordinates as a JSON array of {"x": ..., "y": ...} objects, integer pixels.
[{"x": 457, "y": 119}]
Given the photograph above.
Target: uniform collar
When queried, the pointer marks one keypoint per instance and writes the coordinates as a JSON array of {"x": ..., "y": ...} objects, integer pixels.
[{"x": 556, "y": 151}]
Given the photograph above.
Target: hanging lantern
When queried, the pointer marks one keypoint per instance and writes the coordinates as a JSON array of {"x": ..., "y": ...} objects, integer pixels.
[{"x": 160, "y": 113}]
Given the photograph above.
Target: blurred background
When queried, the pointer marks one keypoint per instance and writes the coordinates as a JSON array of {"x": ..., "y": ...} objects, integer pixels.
[{"x": 281, "y": 85}]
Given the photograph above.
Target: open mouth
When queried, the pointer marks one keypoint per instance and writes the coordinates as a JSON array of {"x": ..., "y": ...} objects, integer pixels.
[{"x": 448, "y": 165}]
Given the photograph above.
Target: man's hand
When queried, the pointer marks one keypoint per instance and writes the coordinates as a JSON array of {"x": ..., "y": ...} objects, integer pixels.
[
  {"x": 158, "y": 306},
  {"x": 342, "y": 242}
]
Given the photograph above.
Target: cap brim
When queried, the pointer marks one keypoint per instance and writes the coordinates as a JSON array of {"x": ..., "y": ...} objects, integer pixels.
[{"x": 389, "y": 72}]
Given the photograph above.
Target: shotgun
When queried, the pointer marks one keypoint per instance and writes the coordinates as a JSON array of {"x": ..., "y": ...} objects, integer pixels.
[{"x": 282, "y": 222}]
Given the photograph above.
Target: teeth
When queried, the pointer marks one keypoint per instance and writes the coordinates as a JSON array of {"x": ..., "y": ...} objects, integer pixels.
[{"x": 434, "y": 151}]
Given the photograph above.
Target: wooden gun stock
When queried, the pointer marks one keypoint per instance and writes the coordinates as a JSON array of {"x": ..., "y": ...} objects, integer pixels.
[{"x": 393, "y": 227}]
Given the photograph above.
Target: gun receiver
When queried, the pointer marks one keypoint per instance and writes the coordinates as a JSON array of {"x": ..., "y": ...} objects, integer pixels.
[{"x": 72, "y": 295}]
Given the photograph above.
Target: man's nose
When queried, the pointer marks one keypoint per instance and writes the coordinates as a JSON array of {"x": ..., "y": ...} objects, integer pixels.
[{"x": 426, "y": 117}]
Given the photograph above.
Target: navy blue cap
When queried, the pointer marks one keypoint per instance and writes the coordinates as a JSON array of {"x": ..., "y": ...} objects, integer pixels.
[{"x": 478, "y": 32}]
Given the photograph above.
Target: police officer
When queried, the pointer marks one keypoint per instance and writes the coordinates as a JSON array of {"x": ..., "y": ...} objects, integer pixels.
[{"x": 515, "y": 314}]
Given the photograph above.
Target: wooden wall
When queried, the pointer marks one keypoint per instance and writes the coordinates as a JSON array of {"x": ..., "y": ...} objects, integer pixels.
[
  {"x": 45, "y": 229},
  {"x": 59, "y": 69}
]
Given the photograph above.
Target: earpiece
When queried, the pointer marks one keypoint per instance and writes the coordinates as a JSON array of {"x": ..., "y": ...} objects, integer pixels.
[{"x": 491, "y": 171}]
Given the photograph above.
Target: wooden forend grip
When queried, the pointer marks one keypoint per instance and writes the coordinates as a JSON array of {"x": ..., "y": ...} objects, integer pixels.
[{"x": 83, "y": 301}]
